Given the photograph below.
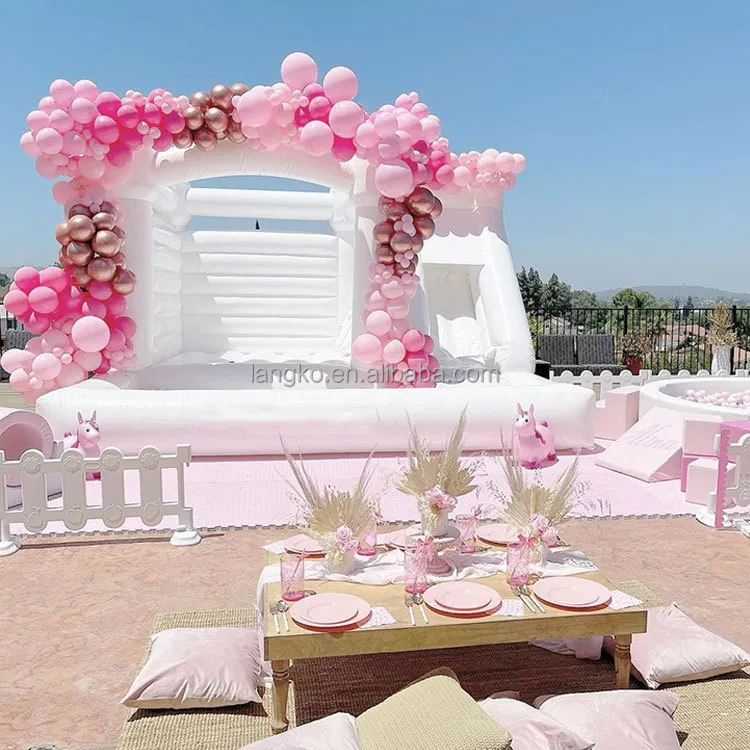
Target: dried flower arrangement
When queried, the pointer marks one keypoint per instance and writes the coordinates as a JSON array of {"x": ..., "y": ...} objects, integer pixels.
[
  {"x": 336, "y": 518},
  {"x": 436, "y": 480},
  {"x": 720, "y": 329}
]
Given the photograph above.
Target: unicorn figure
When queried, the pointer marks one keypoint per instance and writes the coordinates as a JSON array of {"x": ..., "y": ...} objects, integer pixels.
[
  {"x": 533, "y": 442},
  {"x": 87, "y": 440}
]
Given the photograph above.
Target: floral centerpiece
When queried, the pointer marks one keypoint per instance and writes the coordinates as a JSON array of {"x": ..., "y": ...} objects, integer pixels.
[
  {"x": 335, "y": 518},
  {"x": 437, "y": 480},
  {"x": 722, "y": 337}
]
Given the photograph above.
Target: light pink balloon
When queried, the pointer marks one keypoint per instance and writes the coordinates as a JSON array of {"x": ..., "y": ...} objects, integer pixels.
[
  {"x": 86, "y": 89},
  {"x": 392, "y": 289},
  {"x": 62, "y": 92},
  {"x": 19, "y": 380},
  {"x": 70, "y": 375},
  {"x": 386, "y": 123},
  {"x": 54, "y": 339},
  {"x": 430, "y": 128},
  {"x": 91, "y": 168},
  {"x": 38, "y": 322},
  {"x": 316, "y": 138},
  {"x": 116, "y": 341},
  {"x": 106, "y": 130},
  {"x": 366, "y": 137},
  {"x": 429, "y": 344},
  {"x": 400, "y": 327},
  {"x": 63, "y": 192},
  {"x": 90, "y": 334},
  {"x": 394, "y": 352},
  {"x": 88, "y": 361},
  {"x": 46, "y": 167},
  {"x": 398, "y": 308},
  {"x": 340, "y": 83},
  {"x": 47, "y": 105},
  {"x": 254, "y": 107},
  {"x": 94, "y": 307},
  {"x": 413, "y": 340},
  {"x": 73, "y": 144},
  {"x": 298, "y": 70},
  {"x": 345, "y": 117},
  {"x": 16, "y": 359},
  {"x": 61, "y": 121},
  {"x": 46, "y": 366},
  {"x": 54, "y": 277},
  {"x": 378, "y": 322},
  {"x": 37, "y": 120},
  {"x": 43, "y": 300},
  {"x": 49, "y": 141},
  {"x": 394, "y": 179},
  {"x": 116, "y": 304},
  {"x": 519, "y": 163},
  {"x": 505, "y": 162},
  {"x": 461, "y": 176},
  {"x": 28, "y": 144},
  {"x": 26, "y": 278},
  {"x": 82, "y": 110},
  {"x": 367, "y": 348},
  {"x": 16, "y": 302},
  {"x": 375, "y": 301},
  {"x": 127, "y": 326},
  {"x": 410, "y": 125}
]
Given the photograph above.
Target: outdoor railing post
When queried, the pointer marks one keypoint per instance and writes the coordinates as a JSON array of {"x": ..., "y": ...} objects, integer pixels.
[
  {"x": 732, "y": 348},
  {"x": 625, "y": 320}
]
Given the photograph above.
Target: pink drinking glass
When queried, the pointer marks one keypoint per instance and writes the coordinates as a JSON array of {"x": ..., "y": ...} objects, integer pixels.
[
  {"x": 467, "y": 528},
  {"x": 415, "y": 570},
  {"x": 368, "y": 543},
  {"x": 518, "y": 564},
  {"x": 292, "y": 577}
]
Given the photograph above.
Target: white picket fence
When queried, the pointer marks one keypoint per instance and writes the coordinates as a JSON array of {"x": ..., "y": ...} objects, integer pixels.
[
  {"x": 35, "y": 512},
  {"x": 605, "y": 382}
]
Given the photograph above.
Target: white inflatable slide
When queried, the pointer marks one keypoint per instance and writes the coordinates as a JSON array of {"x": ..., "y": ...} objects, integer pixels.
[{"x": 228, "y": 319}]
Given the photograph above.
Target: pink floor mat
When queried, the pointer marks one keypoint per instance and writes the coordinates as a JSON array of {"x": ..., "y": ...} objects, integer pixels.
[{"x": 255, "y": 492}]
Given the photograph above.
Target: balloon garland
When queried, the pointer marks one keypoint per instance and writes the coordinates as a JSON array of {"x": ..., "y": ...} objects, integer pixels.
[{"x": 90, "y": 137}]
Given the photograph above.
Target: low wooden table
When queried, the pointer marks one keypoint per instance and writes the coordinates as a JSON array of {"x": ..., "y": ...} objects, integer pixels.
[{"x": 442, "y": 631}]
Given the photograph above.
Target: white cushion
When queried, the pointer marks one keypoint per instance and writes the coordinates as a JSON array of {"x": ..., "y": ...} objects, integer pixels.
[{"x": 336, "y": 732}]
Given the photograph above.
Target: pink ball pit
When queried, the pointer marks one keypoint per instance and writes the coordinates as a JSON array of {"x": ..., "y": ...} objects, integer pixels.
[{"x": 673, "y": 394}]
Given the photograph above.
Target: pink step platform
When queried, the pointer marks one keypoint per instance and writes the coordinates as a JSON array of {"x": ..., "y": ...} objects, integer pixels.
[
  {"x": 616, "y": 413},
  {"x": 699, "y": 433}
]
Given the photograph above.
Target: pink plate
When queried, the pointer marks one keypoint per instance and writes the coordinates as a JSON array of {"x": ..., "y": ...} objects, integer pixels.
[
  {"x": 462, "y": 595},
  {"x": 363, "y": 612},
  {"x": 497, "y": 533},
  {"x": 397, "y": 539},
  {"x": 303, "y": 543},
  {"x": 327, "y": 609},
  {"x": 574, "y": 593},
  {"x": 492, "y": 606}
]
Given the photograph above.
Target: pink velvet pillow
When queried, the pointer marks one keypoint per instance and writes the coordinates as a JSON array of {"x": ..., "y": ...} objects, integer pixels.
[
  {"x": 618, "y": 719},
  {"x": 676, "y": 649},
  {"x": 531, "y": 729},
  {"x": 198, "y": 668},
  {"x": 336, "y": 732}
]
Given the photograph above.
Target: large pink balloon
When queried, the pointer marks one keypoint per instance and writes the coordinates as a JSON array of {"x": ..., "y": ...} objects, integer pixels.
[
  {"x": 298, "y": 69},
  {"x": 127, "y": 326},
  {"x": 345, "y": 117},
  {"x": 90, "y": 334},
  {"x": 340, "y": 83},
  {"x": 62, "y": 92},
  {"x": 43, "y": 300},
  {"x": 394, "y": 352},
  {"x": 28, "y": 144},
  {"x": 46, "y": 366},
  {"x": 54, "y": 277},
  {"x": 16, "y": 359},
  {"x": 398, "y": 308},
  {"x": 378, "y": 322},
  {"x": 413, "y": 340},
  {"x": 366, "y": 137},
  {"x": 49, "y": 141},
  {"x": 88, "y": 361},
  {"x": 367, "y": 348},
  {"x": 16, "y": 302},
  {"x": 52, "y": 339},
  {"x": 316, "y": 138},
  {"x": 254, "y": 108},
  {"x": 19, "y": 379},
  {"x": 70, "y": 375},
  {"x": 394, "y": 179}
]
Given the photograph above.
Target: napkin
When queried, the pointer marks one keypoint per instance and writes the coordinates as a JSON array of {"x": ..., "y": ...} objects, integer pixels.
[
  {"x": 511, "y": 608},
  {"x": 380, "y": 616},
  {"x": 621, "y": 600}
]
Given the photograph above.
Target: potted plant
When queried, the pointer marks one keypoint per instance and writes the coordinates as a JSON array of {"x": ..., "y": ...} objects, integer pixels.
[
  {"x": 722, "y": 338},
  {"x": 635, "y": 344}
]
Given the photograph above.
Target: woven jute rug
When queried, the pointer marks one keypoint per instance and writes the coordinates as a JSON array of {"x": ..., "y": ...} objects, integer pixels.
[{"x": 712, "y": 715}]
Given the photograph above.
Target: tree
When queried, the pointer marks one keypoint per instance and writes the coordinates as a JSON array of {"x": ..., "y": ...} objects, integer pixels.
[
  {"x": 636, "y": 300},
  {"x": 688, "y": 307},
  {"x": 556, "y": 296},
  {"x": 532, "y": 288},
  {"x": 5, "y": 279},
  {"x": 582, "y": 298}
]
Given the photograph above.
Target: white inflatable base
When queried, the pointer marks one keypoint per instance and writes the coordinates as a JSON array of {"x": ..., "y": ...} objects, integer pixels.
[{"x": 219, "y": 414}]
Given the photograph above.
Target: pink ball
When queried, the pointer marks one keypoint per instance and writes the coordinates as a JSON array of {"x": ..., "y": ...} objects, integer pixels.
[
  {"x": 127, "y": 326},
  {"x": 54, "y": 277},
  {"x": 120, "y": 155},
  {"x": 375, "y": 301},
  {"x": 71, "y": 374},
  {"x": 393, "y": 179},
  {"x": 400, "y": 327},
  {"x": 340, "y": 83},
  {"x": 91, "y": 168},
  {"x": 343, "y": 149},
  {"x": 398, "y": 308},
  {"x": 62, "y": 192},
  {"x": 429, "y": 344},
  {"x": 43, "y": 300},
  {"x": 16, "y": 302},
  {"x": 28, "y": 144},
  {"x": 298, "y": 70},
  {"x": 37, "y": 323},
  {"x": 61, "y": 121},
  {"x": 367, "y": 348},
  {"x": 90, "y": 334},
  {"x": 378, "y": 322},
  {"x": 316, "y": 138},
  {"x": 392, "y": 289},
  {"x": 345, "y": 118},
  {"x": 19, "y": 380},
  {"x": 254, "y": 108},
  {"x": 105, "y": 129},
  {"x": 394, "y": 352},
  {"x": 100, "y": 290},
  {"x": 87, "y": 361},
  {"x": 34, "y": 345},
  {"x": 107, "y": 103},
  {"x": 94, "y": 307},
  {"x": 116, "y": 341},
  {"x": 54, "y": 339},
  {"x": 86, "y": 89},
  {"x": 37, "y": 120},
  {"x": 413, "y": 340},
  {"x": 49, "y": 141},
  {"x": 519, "y": 163},
  {"x": 46, "y": 366},
  {"x": 62, "y": 92}
]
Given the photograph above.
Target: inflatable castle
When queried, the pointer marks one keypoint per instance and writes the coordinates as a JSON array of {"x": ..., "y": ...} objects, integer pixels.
[{"x": 181, "y": 335}]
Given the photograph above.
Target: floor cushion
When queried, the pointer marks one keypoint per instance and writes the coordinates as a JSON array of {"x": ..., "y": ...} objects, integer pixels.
[{"x": 336, "y": 732}]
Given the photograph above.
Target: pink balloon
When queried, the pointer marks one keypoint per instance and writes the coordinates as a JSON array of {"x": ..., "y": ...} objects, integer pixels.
[
  {"x": 82, "y": 111},
  {"x": 298, "y": 70},
  {"x": 398, "y": 308},
  {"x": 19, "y": 379},
  {"x": 319, "y": 108},
  {"x": 107, "y": 103},
  {"x": 504, "y": 162},
  {"x": 37, "y": 120},
  {"x": 461, "y": 176},
  {"x": 116, "y": 304},
  {"x": 366, "y": 137},
  {"x": 254, "y": 107},
  {"x": 28, "y": 144},
  {"x": 378, "y": 322},
  {"x": 90, "y": 334},
  {"x": 91, "y": 168},
  {"x": 37, "y": 323},
  {"x": 94, "y": 307},
  {"x": 34, "y": 345},
  {"x": 519, "y": 163},
  {"x": 433, "y": 363},
  {"x": 393, "y": 179},
  {"x": 16, "y": 302},
  {"x": 429, "y": 344},
  {"x": 16, "y": 359},
  {"x": 43, "y": 300},
  {"x": 74, "y": 144},
  {"x": 105, "y": 129},
  {"x": 54, "y": 339},
  {"x": 46, "y": 167},
  {"x": 367, "y": 348},
  {"x": 116, "y": 341},
  {"x": 119, "y": 155},
  {"x": 62, "y": 92},
  {"x": 345, "y": 117},
  {"x": 340, "y": 83},
  {"x": 61, "y": 121},
  {"x": 101, "y": 290},
  {"x": 46, "y": 366},
  {"x": 70, "y": 375},
  {"x": 430, "y": 128},
  {"x": 47, "y": 105},
  {"x": 86, "y": 89},
  {"x": 127, "y": 326},
  {"x": 375, "y": 301},
  {"x": 88, "y": 361},
  {"x": 392, "y": 289},
  {"x": 316, "y": 138},
  {"x": 62, "y": 192},
  {"x": 394, "y": 352},
  {"x": 49, "y": 141},
  {"x": 411, "y": 125},
  {"x": 54, "y": 277},
  {"x": 386, "y": 123},
  {"x": 400, "y": 327},
  {"x": 343, "y": 149},
  {"x": 413, "y": 340}
]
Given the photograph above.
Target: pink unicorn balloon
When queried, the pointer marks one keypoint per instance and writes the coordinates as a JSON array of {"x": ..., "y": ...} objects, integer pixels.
[
  {"x": 87, "y": 440},
  {"x": 533, "y": 442}
]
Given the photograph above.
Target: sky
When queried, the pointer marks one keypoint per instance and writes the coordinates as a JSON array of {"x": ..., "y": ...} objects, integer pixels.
[{"x": 634, "y": 116}]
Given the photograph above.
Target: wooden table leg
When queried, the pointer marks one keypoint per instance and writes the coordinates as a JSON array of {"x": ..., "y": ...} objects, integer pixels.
[
  {"x": 622, "y": 660},
  {"x": 279, "y": 719}
]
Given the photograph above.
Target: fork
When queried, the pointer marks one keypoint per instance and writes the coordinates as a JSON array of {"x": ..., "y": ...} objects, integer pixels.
[
  {"x": 409, "y": 604},
  {"x": 528, "y": 606},
  {"x": 274, "y": 609},
  {"x": 527, "y": 592}
]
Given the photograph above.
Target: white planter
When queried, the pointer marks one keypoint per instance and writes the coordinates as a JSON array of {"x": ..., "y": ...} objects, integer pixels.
[
  {"x": 435, "y": 524},
  {"x": 721, "y": 360},
  {"x": 342, "y": 564}
]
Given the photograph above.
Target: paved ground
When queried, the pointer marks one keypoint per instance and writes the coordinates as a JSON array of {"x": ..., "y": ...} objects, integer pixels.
[
  {"x": 75, "y": 615},
  {"x": 11, "y": 398}
]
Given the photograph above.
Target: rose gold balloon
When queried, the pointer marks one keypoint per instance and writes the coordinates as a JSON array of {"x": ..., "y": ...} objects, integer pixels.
[
  {"x": 200, "y": 99},
  {"x": 238, "y": 89},
  {"x": 384, "y": 203},
  {"x": 395, "y": 211},
  {"x": 421, "y": 201},
  {"x": 383, "y": 232},
  {"x": 425, "y": 226},
  {"x": 120, "y": 232},
  {"x": 103, "y": 220},
  {"x": 417, "y": 243},
  {"x": 62, "y": 257},
  {"x": 124, "y": 281},
  {"x": 81, "y": 228},
  {"x": 79, "y": 208},
  {"x": 183, "y": 139},
  {"x": 205, "y": 140},
  {"x": 80, "y": 275},
  {"x": 102, "y": 269},
  {"x": 437, "y": 208},
  {"x": 62, "y": 235},
  {"x": 400, "y": 271},
  {"x": 80, "y": 253},
  {"x": 384, "y": 255},
  {"x": 120, "y": 260},
  {"x": 106, "y": 243},
  {"x": 216, "y": 119},
  {"x": 400, "y": 242},
  {"x": 234, "y": 133},
  {"x": 108, "y": 207},
  {"x": 193, "y": 117},
  {"x": 221, "y": 96}
]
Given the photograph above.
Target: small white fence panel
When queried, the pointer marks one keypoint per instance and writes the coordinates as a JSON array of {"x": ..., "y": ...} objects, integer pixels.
[{"x": 35, "y": 511}]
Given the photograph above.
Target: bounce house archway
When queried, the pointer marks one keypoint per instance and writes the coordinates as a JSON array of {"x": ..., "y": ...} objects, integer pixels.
[{"x": 410, "y": 280}]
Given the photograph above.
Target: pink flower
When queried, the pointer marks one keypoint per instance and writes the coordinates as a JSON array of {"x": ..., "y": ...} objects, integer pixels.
[
  {"x": 540, "y": 527},
  {"x": 439, "y": 499},
  {"x": 345, "y": 540}
]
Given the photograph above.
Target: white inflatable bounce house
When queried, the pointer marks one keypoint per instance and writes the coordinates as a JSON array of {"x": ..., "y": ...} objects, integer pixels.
[{"x": 175, "y": 335}]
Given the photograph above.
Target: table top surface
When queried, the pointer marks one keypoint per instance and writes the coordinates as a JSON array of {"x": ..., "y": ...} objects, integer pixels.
[{"x": 443, "y": 631}]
